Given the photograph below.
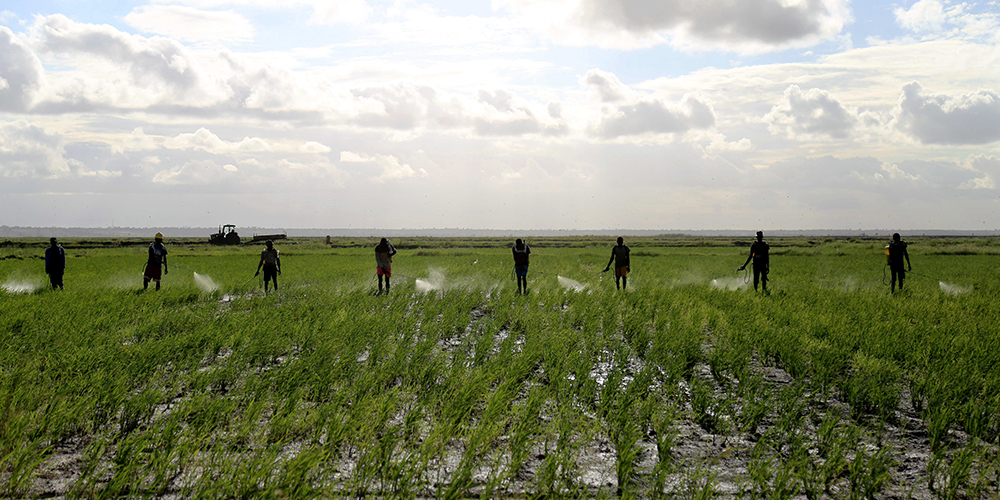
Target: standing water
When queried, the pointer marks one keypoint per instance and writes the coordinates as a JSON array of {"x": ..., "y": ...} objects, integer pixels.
[{"x": 205, "y": 283}]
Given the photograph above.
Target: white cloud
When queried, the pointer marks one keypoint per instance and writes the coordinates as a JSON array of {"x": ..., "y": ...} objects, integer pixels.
[
  {"x": 654, "y": 116},
  {"x": 717, "y": 144},
  {"x": 391, "y": 168},
  {"x": 925, "y": 15},
  {"x": 21, "y": 73},
  {"x": 896, "y": 173},
  {"x": 500, "y": 100},
  {"x": 194, "y": 172},
  {"x": 27, "y": 150},
  {"x": 408, "y": 24},
  {"x": 943, "y": 119},
  {"x": 986, "y": 166},
  {"x": 136, "y": 141},
  {"x": 190, "y": 24},
  {"x": 555, "y": 109},
  {"x": 810, "y": 114},
  {"x": 934, "y": 19},
  {"x": 505, "y": 115},
  {"x": 331, "y": 12},
  {"x": 205, "y": 140},
  {"x": 746, "y": 26},
  {"x": 116, "y": 69},
  {"x": 324, "y": 11},
  {"x": 314, "y": 147},
  {"x": 407, "y": 106},
  {"x": 607, "y": 86}
]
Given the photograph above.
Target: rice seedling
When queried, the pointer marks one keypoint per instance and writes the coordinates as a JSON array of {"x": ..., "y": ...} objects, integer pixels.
[{"x": 467, "y": 389}]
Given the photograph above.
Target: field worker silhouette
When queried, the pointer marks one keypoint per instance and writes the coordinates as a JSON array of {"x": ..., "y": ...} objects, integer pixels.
[
  {"x": 271, "y": 263},
  {"x": 157, "y": 258},
  {"x": 761, "y": 263},
  {"x": 55, "y": 263},
  {"x": 521, "y": 252},
  {"x": 383, "y": 262},
  {"x": 619, "y": 255},
  {"x": 894, "y": 255}
]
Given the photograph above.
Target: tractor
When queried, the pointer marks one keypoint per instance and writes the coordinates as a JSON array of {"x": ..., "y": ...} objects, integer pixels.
[{"x": 226, "y": 236}]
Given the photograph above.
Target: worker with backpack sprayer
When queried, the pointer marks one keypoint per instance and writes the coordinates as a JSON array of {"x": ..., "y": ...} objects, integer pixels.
[
  {"x": 271, "y": 263},
  {"x": 521, "y": 253},
  {"x": 157, "y": 257},
  {"x": 759, "y": 251},
  {"x": 895, "y": 252},
  {"x": 383, "y": 262}
]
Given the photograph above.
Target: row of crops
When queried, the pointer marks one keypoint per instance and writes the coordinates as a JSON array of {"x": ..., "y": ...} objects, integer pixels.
[{"x": 828, "y": 387}]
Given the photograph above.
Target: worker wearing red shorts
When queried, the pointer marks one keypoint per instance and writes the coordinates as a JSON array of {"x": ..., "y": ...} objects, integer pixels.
[
  {"x": 619, "y": 255},
  {"x": 383, "y": 263}
]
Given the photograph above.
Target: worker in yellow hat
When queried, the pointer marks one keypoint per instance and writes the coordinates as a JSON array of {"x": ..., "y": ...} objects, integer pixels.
[{"x": 157, "y": 258}]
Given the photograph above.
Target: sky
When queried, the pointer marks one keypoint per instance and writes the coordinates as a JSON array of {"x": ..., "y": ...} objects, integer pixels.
[{"x": 502, "y": 114}]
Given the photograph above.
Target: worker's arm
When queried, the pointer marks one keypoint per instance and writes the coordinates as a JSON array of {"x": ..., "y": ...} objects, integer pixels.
[
  {"x": 259, "y": 264},
  {"x": 165, "y": 269},
  {"x": 610, "y": 261},
  {"x": 277, "y": 259},
  {"x": 744, "y": 266},
  {"x": 907, "y": 256}
]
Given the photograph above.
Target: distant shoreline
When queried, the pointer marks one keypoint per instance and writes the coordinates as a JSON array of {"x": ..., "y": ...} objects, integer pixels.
[{"x": 247, "y": 232}]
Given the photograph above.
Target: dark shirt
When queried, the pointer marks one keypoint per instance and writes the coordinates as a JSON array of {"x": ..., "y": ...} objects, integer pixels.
[
  {"x": 620, "y": 253},
  {"x": 897, "y": 251},
  {"x": 759, "y": 250},
  {"x": 269, "y": 257},
  {"x": 521, "y": 254},
  {"x": 157, "y": 254},
  {"x": 383, "y": 255},
  {"x": 55, "y": 259}
]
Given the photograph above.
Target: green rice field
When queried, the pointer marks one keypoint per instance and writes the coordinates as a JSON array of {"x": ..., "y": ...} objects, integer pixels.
[{"x": 687, "y": 385}]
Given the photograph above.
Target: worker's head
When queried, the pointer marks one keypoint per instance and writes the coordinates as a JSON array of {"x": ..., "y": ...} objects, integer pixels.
[
  {"x": 518, "y": 242},
  {"x": 621, "y": 241},
  {"x": 52, "y": 241},
  {"x": 158, "y": 237},
  {"x": 383, "y": 241},
  {"x": 760, "y": 235},
  {"x": 269, "y": 243},
  {"x": 895, "y": 236}
]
